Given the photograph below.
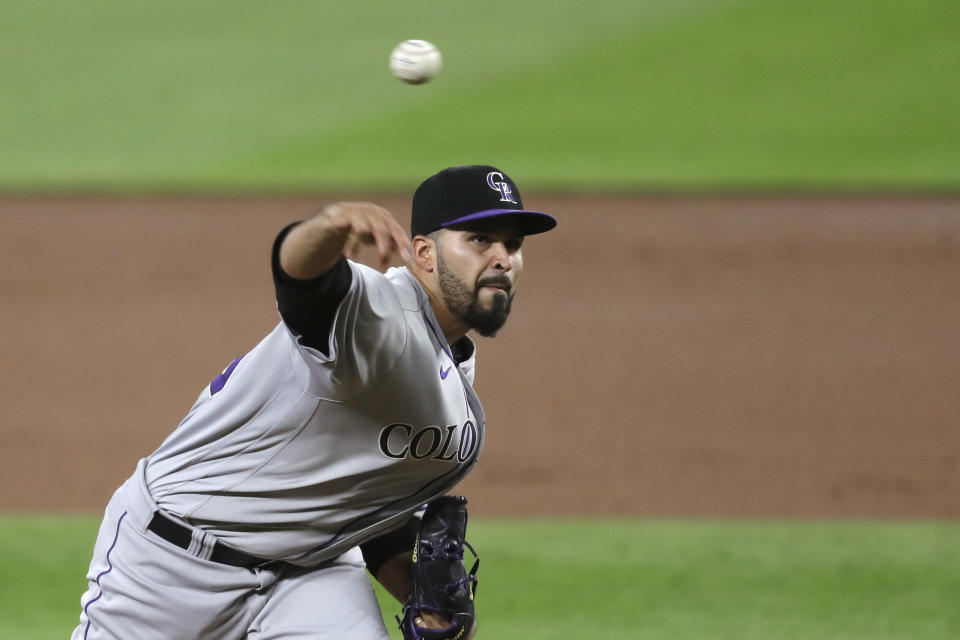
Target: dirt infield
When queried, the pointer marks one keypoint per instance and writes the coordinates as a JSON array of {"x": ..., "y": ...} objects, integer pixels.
[{"x": 668, "y": 356}]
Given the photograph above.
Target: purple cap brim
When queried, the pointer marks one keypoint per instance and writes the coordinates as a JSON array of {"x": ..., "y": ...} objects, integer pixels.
[{"x": 531, "y": 222}]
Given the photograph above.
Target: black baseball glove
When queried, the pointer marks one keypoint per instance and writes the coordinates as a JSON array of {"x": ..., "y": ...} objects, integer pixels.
[{"x": 441, "y": 583}]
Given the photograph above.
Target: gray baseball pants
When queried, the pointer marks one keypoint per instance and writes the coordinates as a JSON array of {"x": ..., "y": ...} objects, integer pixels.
[{"x": 141, "y": 586}]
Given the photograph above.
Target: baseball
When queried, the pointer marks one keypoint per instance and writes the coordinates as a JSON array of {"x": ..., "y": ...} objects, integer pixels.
[{"x": 415, "y": 61}]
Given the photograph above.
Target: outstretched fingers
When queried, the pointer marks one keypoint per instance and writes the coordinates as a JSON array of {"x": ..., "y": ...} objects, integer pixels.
[{"x": 368, "y": 224}]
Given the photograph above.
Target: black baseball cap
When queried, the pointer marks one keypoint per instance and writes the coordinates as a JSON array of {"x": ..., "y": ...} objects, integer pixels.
[{"x": 459, "y": 195}]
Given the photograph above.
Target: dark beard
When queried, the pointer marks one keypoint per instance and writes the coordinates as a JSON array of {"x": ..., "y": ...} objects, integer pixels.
[{"x": 465, "y": 304}]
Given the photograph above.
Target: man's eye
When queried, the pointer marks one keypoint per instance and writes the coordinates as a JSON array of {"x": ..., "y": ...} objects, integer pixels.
[{"x": 480, "y": 239}]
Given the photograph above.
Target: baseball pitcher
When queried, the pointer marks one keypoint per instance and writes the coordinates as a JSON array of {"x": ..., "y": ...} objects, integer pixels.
[{"x": 309, "y": 459}]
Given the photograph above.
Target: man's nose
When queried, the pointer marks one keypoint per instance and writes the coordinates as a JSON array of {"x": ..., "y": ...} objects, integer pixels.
[{"x": 500, "y": 258}]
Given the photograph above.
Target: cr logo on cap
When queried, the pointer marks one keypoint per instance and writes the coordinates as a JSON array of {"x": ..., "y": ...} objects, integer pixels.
[{"x": 501, "y": 185}]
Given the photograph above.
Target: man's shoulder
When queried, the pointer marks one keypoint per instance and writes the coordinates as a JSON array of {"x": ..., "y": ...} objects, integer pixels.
[{"x": 409, "y": 292}]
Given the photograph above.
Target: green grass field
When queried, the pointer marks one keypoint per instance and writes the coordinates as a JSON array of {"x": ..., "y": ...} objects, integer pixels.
[
  {"x": 613, "y": 579},
  {"x": 112, "y": 95},
  {"x": 612, "y": 94}
]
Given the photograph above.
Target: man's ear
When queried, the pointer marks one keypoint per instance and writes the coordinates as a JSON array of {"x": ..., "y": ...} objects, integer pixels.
[{"x": 425, "y": 253}]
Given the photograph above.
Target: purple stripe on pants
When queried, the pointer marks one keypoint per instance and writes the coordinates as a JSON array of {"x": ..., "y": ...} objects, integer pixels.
[{"x": 103, "y": 573}]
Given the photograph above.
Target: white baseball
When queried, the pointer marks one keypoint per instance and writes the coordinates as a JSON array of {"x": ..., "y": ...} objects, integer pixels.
[{"x": 415, "y": 61}]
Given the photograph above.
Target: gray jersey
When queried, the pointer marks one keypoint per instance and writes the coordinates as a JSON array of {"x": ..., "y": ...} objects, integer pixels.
[{"x": 294, "y": 455}]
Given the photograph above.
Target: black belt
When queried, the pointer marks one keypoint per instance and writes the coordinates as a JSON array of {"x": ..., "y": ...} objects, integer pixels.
[{"x": 182, "y": 535}]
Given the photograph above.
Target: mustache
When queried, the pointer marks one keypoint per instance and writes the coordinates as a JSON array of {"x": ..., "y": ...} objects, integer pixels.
[{"x": 496, "y": 281}]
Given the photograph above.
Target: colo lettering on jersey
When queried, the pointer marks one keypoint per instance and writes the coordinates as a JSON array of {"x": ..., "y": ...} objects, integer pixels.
[{"x": 400, "y": 441}]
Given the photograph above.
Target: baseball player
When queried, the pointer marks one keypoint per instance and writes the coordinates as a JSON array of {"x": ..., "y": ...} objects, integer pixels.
[{"x": 303, "y": 463}]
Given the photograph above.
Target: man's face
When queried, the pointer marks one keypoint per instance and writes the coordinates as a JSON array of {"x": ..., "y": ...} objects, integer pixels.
[{"x": 479, "y": 268}]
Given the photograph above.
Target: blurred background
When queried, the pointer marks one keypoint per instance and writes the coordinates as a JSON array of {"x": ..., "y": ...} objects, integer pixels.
[{"x": 748, "y": 316}]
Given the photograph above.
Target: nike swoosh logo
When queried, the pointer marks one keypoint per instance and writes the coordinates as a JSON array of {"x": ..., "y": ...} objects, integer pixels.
[{"x": 443, "y": 374}]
